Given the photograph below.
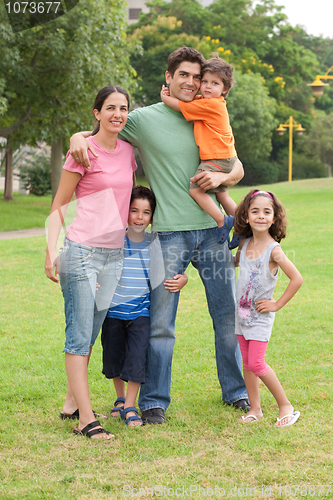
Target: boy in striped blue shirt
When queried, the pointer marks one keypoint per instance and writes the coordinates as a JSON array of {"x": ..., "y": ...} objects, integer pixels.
[{"x": 125, "y": 332}]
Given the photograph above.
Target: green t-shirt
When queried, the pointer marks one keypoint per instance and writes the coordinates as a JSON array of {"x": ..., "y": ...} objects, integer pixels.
[{"x": 170, "y": 157}]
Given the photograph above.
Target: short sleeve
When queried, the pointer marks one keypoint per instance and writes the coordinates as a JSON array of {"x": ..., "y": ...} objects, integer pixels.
[
  {"x": 130, "y": 133},
  {"x": 134, "y": 164},
  {"x": 72, "y": 166},
  {"x": 202, "y": 109}
]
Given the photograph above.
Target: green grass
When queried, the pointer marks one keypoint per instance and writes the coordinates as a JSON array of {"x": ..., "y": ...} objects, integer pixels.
[
  {"x": 202, "y": 445},
  {"x": 23, "y": 212}
]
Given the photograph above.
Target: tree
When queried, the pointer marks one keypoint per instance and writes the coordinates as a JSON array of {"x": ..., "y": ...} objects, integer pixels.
[
  {"x": 251, "y": 112},
  {"x": 253, "y": 36},
  {"x": 256, "y": 38},
  {"x": 318, "y": 143},
  {"x": 53, "y": 72}
]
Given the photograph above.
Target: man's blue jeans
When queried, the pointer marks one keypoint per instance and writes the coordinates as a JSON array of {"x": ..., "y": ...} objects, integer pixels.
[{"x": 214, "y": 263}]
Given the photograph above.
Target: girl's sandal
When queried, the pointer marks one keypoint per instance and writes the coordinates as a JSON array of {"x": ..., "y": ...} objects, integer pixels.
[
  {"x": 116, "y": 408},
  {"x": 89, "y": 430},
  {"x": 254, "y": 419}
]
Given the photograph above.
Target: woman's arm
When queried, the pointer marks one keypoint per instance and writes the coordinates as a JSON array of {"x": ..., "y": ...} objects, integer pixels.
[
  {"x": 210, "y": 180},
  {"x": 294, "y": 285},
  {"x": 67, "y": 185}
]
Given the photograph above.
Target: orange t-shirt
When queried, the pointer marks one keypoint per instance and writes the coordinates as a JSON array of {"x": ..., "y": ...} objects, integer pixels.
[{"x": 212, "y": 130}]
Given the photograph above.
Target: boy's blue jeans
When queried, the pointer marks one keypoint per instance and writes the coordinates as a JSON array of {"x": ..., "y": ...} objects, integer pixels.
[{"x": 214, "y": 263}]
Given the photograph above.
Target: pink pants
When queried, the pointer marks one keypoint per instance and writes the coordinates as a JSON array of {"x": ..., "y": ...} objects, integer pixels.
[{"x": 253, "y": 356}]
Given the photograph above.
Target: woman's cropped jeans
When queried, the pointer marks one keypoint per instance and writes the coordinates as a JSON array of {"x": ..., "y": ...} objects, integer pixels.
[{"x": 81, "y": 268}]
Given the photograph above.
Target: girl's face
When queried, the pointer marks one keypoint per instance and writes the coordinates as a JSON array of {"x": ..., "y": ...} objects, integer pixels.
[
  {"x": 211, "y": 85},
  {"x": 113, "y": 115},
  {"x": 261, "y": 213}
]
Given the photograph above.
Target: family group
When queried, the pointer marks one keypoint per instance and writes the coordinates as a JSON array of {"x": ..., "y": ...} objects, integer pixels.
[{"x": 119, "y": 278}]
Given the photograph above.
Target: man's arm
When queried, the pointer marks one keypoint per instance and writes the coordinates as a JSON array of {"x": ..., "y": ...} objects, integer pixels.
[
  {"x": 79, "y": 148},
  {"x": 210, "y": 180}
]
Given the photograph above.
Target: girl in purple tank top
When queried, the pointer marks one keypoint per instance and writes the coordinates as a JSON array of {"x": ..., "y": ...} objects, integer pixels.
[{"x": 261, "y": 221}]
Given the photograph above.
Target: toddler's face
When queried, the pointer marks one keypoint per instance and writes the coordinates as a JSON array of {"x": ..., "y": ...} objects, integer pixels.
[{"x": 211, "y": 85}]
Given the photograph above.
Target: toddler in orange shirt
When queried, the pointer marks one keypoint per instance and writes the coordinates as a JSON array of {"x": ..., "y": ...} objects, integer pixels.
[{"x": 213, "y": 134}]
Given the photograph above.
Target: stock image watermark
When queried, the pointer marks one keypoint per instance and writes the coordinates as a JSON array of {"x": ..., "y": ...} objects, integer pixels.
[
  {"x": 24, "y": 14},
  {"x": 197, "y": 491}
]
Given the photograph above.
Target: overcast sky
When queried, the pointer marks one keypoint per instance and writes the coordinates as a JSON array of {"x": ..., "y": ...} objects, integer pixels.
[{"x": 316, "y": 16}]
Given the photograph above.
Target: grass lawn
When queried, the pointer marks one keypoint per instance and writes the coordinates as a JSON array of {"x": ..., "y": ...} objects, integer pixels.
[{"x": 202, "y": 451}]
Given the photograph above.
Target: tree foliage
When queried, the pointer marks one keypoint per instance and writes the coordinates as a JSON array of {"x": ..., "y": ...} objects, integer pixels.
[
  {"x": 318, "y": 144},
  {"x": 251, "y": 112},
  {"x": 274, "y": 63},
  {"x": 53, "y": 72}
]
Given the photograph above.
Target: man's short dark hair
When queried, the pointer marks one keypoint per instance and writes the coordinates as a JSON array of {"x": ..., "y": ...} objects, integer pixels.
[
  {"x": 144, "y": 193},
  {"x": 184, "y": 54},
  {"x": 223, "y": 69}
]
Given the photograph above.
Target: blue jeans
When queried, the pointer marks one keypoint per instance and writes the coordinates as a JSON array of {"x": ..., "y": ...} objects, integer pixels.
[
  {"x": 214, "y": 263},
  {"x": 81, "y": 268}
]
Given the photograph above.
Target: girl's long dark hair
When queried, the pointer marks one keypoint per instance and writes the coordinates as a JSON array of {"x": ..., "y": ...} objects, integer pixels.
[
  {"x": 277, "y": 229},
  {"x": 104, "y": 94}
]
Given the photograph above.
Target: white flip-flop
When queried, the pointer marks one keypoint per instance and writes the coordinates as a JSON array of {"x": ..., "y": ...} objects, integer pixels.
[
  {"x": 294, "y": 417},
  {"x": 255, "y": 419}
]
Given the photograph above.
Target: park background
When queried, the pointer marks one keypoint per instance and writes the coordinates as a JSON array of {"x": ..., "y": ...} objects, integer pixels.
[{"x": 49, "y": 76}]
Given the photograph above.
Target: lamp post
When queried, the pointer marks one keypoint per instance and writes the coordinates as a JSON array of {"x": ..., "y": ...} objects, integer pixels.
[
  {"x": 318, "y": 86},
  {"x": 291, "y": 124}
]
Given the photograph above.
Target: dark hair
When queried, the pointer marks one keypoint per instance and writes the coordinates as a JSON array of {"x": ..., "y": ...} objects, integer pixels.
[
  {"x": 144, "y": 193},
  {"x": 279, "y": 226},
  {"x": 223, "y": 69},
  {"x": 184, "y": 54},
  {"x": 103, "y": 94}
]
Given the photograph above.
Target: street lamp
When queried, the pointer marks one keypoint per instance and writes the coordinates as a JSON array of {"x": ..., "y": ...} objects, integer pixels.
[
  {"x": 291, "y": 124},
  {"x": 318, "y": 86}
]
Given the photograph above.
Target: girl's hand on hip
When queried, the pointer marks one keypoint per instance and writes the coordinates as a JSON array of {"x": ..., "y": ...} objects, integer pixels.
[{"x": 266, "y": 306}]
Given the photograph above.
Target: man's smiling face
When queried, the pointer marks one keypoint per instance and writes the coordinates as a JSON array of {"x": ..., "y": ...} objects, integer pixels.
[{"x": 185, "y": 82}]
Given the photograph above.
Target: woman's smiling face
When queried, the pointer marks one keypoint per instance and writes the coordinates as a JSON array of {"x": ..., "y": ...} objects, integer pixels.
[{"x": 114, "y": 113}]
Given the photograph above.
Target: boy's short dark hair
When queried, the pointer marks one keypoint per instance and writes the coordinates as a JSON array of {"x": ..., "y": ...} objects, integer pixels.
[
  {"x": 144, "y": 193},
  {"x": 184, "y": 54},
  {"x": 223, "y": 69}
]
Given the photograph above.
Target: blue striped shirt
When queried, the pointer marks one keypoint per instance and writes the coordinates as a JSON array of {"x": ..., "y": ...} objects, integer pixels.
[{"x": 132, "y": 296}]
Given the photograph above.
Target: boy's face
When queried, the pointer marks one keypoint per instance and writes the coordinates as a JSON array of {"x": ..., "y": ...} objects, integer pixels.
[
  {"x": 185, "y": 83},
  {"x": 140, "y": 215},
  {"x": 211, "y": 85}
]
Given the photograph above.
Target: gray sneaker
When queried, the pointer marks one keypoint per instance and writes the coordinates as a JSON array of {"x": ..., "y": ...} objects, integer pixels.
[{"x": 153, "y": 416}]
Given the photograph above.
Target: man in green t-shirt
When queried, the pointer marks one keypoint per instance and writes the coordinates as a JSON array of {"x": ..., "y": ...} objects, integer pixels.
[{"x": 186, "y": 233}]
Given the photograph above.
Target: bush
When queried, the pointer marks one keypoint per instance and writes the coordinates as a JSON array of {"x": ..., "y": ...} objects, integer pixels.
[
  {"x": 36, "y": 174},
  {"x": 263, "y": 172},
  {"x": 303, "y": 167}
]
